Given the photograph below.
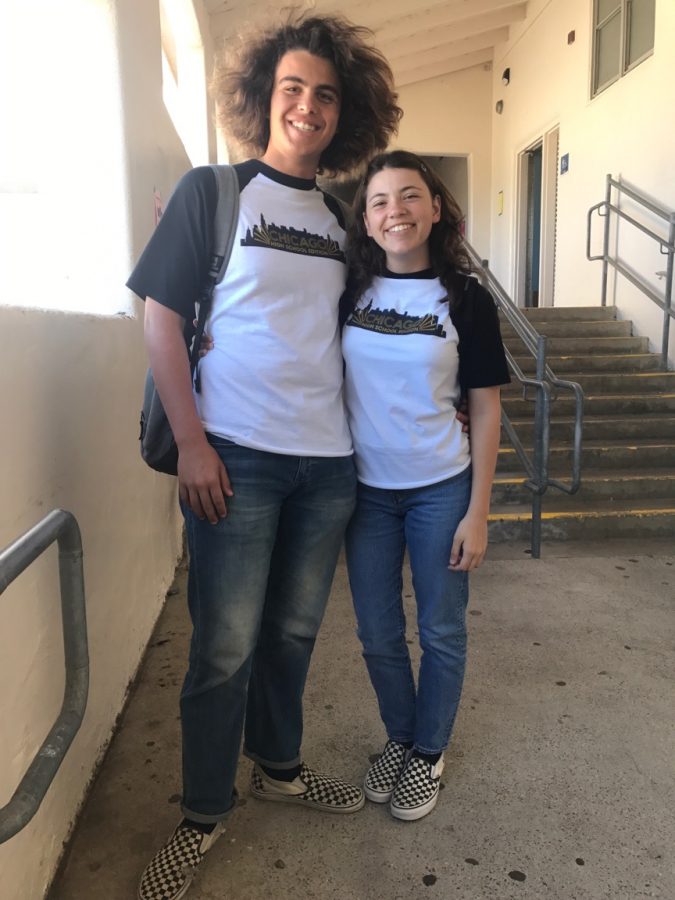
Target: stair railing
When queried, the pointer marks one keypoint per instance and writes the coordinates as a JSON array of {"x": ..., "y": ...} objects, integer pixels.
[
  {"x": 667, "y": 249},
  {"x": 60, "y": 526},
  {"x": 546, "y": 385}
]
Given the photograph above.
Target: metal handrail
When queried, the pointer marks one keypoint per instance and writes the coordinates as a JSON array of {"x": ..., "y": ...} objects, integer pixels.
[
  {"x": 545, "y": 383},
  {"x": 59, "y": 526},
  {"x": 666, "y": 247}
]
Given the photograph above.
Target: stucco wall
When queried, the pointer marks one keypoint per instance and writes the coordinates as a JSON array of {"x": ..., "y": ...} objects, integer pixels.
[
  {"x": 624, "y": 131},
  {"x": 79, "y": 211},
  {"x": 451, "y": 115}
]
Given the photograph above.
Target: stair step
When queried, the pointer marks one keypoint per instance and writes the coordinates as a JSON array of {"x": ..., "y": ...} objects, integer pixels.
[
  {"x": 575, "y": 328},
  {"x": 588, "y": 364},
  {"x": 628, "y": 455},
  {"x": 617, "y": 485},
  {"x": 625, "y": 428},
  {"x": 584, "y": 346},
  {"x": 595, "y": 404},
  {"x": 614, "y": 382},
  {"x": 560, "y": 313},
  {"x": 586, "y": 525},
  {"x": 598, "y": 454},
  {"x": 559, "y": 503}
]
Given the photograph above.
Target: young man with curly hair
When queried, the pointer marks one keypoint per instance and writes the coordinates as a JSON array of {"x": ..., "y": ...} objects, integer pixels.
[{"x": 266, "y": 476}]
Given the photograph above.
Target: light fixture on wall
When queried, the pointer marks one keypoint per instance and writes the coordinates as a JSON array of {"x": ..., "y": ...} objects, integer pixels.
[
  {"x": 506, "y": 76},
  {"x": 499, "y": 107}
]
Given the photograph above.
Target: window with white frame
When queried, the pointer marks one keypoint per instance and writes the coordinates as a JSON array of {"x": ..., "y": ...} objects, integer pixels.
[{"x": 623, "y": 36}]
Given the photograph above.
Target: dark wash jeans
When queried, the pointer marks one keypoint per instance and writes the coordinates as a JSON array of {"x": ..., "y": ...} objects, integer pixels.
[{"x": 257, "y": 590}]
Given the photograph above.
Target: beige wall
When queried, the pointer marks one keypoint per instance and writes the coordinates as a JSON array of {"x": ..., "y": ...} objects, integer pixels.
[
  {"x": 451, "y": 115},
  {"x": 79, "y": 205},
  {"x": 625, "y": 131}
]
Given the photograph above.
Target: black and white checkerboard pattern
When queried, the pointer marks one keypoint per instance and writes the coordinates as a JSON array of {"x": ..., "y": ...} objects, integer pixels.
[
  {"x": 383, "y": 775},
  {"x": 321, "y": 792},
  {"x": 169, "y": 874},
  {"x": 418, "y": 785}
]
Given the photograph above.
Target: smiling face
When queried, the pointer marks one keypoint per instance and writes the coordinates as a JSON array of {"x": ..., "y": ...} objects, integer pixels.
[
  {"x": 304, "y": 113},
  {"x": 398, "y": 216}
]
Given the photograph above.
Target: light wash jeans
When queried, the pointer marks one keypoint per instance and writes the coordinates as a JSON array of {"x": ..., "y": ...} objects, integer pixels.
[
  {"x": 257, "y": 589},
  {"x": 423, "y": 519}
]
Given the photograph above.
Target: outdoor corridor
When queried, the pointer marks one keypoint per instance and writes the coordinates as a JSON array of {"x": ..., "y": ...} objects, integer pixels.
[{"x": 559, "y": 783}]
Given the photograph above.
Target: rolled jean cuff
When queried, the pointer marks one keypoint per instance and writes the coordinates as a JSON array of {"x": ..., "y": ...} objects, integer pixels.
[
  {"x": 208, "y": 820},
  {"x": 428, "y": 752},
  {"x": 271, "y": 764},
  {"x": 401, "y": 740}
]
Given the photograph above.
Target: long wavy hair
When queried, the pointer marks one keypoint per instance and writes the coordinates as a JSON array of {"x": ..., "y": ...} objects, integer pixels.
[
  {"x": 243, "y": 79},
  {"x": 447, "y": 252}
]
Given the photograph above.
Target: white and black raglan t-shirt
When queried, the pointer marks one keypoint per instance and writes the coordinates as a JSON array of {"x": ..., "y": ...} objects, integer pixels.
[
  {"x": 402, "y": 381},
  {"x": 274, "y": 378}
]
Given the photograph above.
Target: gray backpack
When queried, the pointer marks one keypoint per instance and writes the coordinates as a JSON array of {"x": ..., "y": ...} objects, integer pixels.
[{"x": 158, "y": 447}]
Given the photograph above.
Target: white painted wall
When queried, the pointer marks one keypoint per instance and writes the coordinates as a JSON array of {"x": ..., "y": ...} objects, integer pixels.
[
  {"x": 89, "y": 140},
  {"x": 625, "y": 131},
  {"x": 451, "y": 115}
]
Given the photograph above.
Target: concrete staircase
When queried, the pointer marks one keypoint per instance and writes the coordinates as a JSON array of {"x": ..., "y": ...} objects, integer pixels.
[{"x": 628, "y": 460}]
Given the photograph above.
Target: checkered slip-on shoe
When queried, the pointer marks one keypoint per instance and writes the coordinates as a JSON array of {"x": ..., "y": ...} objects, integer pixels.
[
  {"x": 416, "y": 793},
  {"x": 309, "y": 789},
  {"x": 170, "y": 873},
  {"x": 382, "y": 777}
]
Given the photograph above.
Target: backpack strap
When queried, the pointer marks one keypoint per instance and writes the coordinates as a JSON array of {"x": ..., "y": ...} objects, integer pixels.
[
  {"x": 224, "y": 230},
  {"x": 227, "y": 214}
]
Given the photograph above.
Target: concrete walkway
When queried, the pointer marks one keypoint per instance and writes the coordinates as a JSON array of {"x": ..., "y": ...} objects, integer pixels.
[{"x": 559, "y": 783}]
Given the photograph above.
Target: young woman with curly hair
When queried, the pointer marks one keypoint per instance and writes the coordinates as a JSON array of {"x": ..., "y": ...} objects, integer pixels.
[
  {"x": 420, "y": 333},
  {"x": 265, "y": 467}
]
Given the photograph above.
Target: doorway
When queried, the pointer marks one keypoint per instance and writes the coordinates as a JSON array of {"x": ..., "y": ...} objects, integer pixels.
[
  {"x": 537, "y": 217},
  {"x": 533, "y": 226},
  {"x": 454, "y": 173}
]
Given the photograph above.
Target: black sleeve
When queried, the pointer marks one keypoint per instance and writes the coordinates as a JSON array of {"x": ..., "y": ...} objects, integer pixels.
[
  {"x": 482, "y": 361},
  {"x": 174, "y": 264}
]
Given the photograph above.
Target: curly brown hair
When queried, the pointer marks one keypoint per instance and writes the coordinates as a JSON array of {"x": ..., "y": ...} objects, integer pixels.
[
  {"x": 243, "y": 79},
  {"x": 447, "y": 252}
]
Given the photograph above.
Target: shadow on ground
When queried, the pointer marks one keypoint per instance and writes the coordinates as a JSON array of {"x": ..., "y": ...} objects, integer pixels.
[{"x": 559, "y": 783}]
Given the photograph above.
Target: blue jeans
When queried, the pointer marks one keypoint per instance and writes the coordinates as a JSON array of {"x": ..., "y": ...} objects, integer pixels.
[
  {"x": 423, "y": 519},
  {"x": 257, "y": 589}
]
